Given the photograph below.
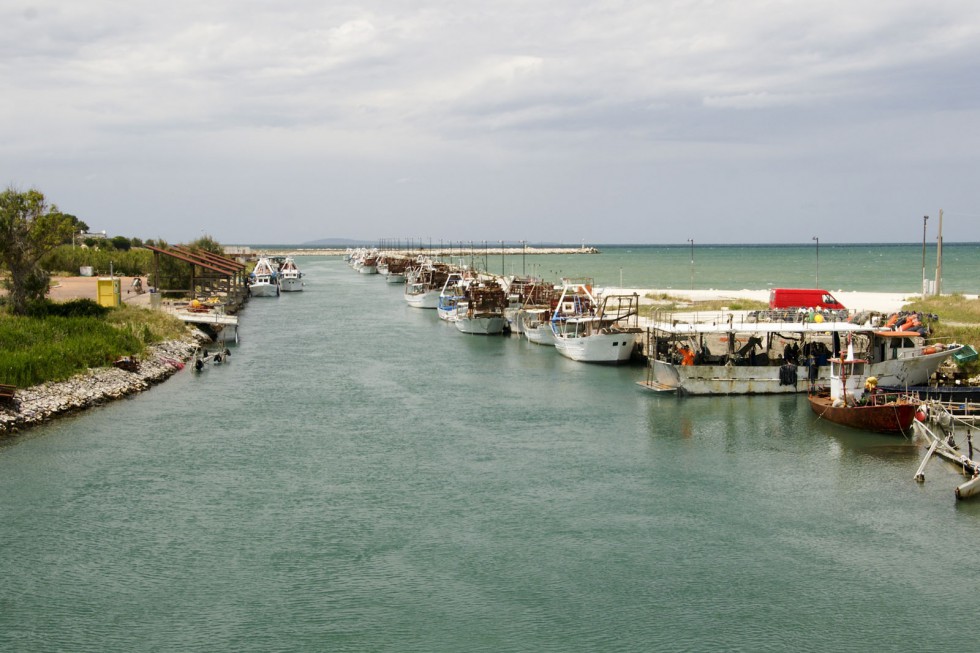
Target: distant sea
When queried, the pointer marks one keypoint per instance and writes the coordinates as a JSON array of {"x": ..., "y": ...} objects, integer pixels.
[{"x": 849, "y": 267}]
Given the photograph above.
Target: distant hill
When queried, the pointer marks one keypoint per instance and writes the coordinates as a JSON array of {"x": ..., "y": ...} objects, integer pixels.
[{"x": 337, "y": 242}]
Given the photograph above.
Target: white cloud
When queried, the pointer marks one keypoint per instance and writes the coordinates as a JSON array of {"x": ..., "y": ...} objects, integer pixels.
[{"x": 524, "y": 95}]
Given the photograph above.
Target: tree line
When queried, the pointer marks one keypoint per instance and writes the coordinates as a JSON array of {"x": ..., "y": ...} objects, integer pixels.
[{"x": 36, "y": 238}]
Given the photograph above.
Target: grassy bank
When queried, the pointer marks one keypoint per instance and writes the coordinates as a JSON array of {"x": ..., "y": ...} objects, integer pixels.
[
  {"x": 959, "y": 321},
  {"x": 55, "y": 347}
]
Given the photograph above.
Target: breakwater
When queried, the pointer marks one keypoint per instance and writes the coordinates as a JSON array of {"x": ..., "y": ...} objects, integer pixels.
[
  {"x": 40, "y": 403},
  {"x": 439, "y": 252}
]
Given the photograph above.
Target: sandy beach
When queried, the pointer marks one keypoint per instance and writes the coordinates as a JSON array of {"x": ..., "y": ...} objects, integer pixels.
[
  {"x": 858, "y": 301},
  {"x": 65, "y": 288}
]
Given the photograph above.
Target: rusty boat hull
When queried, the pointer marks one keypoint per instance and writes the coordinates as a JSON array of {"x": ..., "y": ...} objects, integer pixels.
[{"x": 883, "y": 416}]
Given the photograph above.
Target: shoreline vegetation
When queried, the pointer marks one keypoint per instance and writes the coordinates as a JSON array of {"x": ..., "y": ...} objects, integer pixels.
[{"x": 165, "y": 344}]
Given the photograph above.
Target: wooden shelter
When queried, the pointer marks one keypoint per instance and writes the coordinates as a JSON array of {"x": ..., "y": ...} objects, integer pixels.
[{"x": 210, "y": 274}]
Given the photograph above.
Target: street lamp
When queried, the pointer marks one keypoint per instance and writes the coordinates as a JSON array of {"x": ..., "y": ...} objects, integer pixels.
[
  {"x": 502, "y": 270},
  {"x": 691, "y": 240},
  {"x": 925, "y": 219},
  {"x": 818, "y": 260},
  {"x": 524, "y": 256}
]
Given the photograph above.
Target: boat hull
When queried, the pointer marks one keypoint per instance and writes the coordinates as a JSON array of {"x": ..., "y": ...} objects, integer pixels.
[
  {"x": 610, "y": 348},
  {"x": 733, "y": 379},
  {"x": 903, "y": 372},
  {"x": 540, "y": 335},
  {"x": 292, "y": 285},
  {"x": 263, "y": 290},
  {"x": 368, "y": 269},
  {"x": 395, "y": 277},
  {"x": 428, "y": 299},
  {"x": 480, "y": 325},
  {"x": 892, "y": 417}
]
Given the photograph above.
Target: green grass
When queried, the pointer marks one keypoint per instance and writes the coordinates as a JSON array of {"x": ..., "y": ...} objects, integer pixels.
[
  {"x": 665, "y": 302},
  {"x": 53, "y": 348},
  {"x": 959, "y": 321}
]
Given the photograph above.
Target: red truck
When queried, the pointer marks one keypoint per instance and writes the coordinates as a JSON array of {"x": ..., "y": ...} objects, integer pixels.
[{"x": 803, "y": 298}]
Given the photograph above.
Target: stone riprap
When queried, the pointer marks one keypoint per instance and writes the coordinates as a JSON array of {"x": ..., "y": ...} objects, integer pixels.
[{"x": 40, "y": 403}]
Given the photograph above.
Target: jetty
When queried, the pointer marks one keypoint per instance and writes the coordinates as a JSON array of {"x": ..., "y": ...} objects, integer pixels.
[
  {"x": 937, "y": 424},
  {"x": 218, "y": 321}
]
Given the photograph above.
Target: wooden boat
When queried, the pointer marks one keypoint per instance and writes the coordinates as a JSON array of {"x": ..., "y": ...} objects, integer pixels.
[{"x": 854, "y": 401}]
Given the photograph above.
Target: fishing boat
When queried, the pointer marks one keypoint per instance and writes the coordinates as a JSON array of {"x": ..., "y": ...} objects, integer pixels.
[
  {"x": 595, "y": 331},
  {"x": 729, "y": 354},
  {"x": 854, "y": 401},
  {"x": 395, "y": 269},
  {"x": 453, "y": 291},
  {"x": 531, "y": 302},
  {"x": 481, "y": 311},
  {"x": 423, "y": 283},
  {"x": 290, "y": 278},
  {"x": 369, "y": 263},
  {"x": 536, "y": 326},
  {"x": 264, "y": 279}
]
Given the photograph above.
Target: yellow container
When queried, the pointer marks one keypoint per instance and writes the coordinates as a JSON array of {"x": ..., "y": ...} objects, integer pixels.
[{"x": 110, "y": 292}]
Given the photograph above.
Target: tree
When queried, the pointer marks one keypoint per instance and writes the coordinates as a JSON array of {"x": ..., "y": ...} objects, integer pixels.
[
  {"x": 121, "y": 242},
  {"x": 29, "y": 228}
]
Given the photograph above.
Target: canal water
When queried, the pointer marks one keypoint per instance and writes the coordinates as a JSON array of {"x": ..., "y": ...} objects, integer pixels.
[{"x": 362, "y": 477}]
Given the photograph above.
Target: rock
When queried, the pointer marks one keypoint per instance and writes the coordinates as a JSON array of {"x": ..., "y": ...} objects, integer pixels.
[{"x": 96, "y": 386}]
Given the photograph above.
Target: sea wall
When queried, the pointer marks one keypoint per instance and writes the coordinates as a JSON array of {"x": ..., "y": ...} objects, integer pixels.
[
  {"x": 431, "y": 251},
  {"x": 40, "y": 403}
]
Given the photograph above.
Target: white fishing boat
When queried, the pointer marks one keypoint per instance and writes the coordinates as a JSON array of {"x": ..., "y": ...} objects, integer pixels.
[
  {"x": 607, "y": 331},
  {"x": 536, "y": 326},
  {"x": 529, "y": 305},
  {"x": 424, "y": 283},
  {"x": 263, "y": 280},
  {"x": 451, "y": 294},
  {"x": 722, "y": 356},
  {"x": 290, "y": 278},
  {"x": 369, "y": 264},
  {"x": 481, "y": 311}
]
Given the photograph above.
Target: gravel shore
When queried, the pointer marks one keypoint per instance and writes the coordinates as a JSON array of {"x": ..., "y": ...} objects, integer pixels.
[{"x": 41, "y": 403}]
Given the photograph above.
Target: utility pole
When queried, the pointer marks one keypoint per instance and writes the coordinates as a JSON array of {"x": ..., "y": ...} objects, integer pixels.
[
  {"x": 691, "y": 240},
  {"x": 817, "y": 278},
  {"x": 939, "y": 257},
  {"x": 925, "y": 219}
]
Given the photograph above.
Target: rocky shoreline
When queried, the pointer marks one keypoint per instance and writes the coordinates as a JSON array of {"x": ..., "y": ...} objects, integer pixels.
[{"x": 42, "y": 403}]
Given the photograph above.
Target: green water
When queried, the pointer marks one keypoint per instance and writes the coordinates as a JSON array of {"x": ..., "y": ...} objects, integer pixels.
[
  {"x": 869, "y": 268},
  {"x": 362, "y": 477}
]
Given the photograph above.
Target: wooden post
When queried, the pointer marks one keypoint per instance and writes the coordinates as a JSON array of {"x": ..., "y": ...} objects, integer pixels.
[{"x": 919, "y": 474}]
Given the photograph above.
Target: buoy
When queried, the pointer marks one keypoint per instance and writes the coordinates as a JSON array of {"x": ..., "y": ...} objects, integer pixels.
[{"x": 921, "y": 413}]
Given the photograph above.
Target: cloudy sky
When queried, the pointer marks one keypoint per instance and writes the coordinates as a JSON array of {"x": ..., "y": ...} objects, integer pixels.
[{"x": 632, "y": 121}]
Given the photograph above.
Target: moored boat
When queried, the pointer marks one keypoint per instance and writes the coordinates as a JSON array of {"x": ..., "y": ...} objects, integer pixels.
[
  {"x": 854, "y": 401},
  {"x": 596, "y": 331},
  {"x": 449, "y": 297},
  {"x": 481, "y": 311},
  {"x": 290, "y": 278},
  {"x": 263, "y": 281},
  {"x": 720, "y": 355}
]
